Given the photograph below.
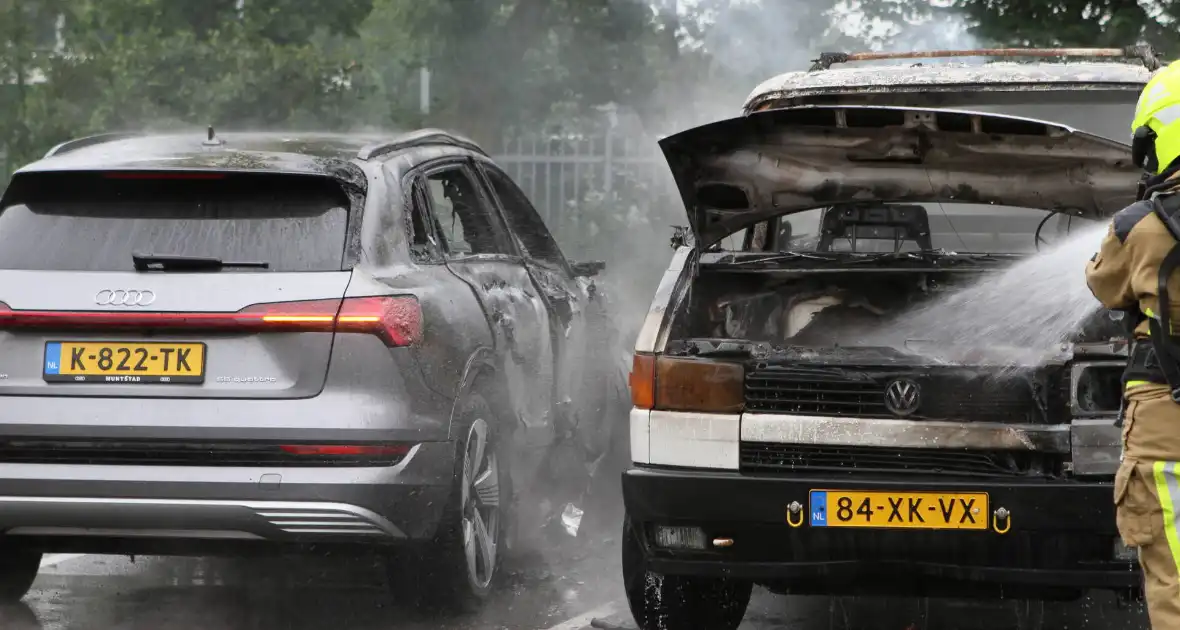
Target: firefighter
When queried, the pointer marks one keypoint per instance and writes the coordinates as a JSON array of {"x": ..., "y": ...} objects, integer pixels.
[{"x": 1132, "y": 273}]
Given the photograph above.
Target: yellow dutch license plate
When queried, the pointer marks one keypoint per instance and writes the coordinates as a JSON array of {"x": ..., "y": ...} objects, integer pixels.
[
  {"x": 118, "y": 362},
  {"x": 907, "y": 510}
]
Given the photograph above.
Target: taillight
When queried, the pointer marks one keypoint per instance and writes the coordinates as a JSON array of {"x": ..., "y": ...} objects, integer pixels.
[
  {"x": 687, "y": 384},
  {"x": 345, "y": 454},
  {"x": 346, "y": 450},
  {"x": 396, "y": 320}
]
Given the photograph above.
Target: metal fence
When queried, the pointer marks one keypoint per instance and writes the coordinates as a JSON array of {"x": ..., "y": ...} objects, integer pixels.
[
  {"x": 607, "y": 195},
  {"x": 569, "y": 176}
]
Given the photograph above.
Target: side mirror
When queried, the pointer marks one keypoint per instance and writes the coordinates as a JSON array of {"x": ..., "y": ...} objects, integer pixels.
[{"x": 588, "y": 269}]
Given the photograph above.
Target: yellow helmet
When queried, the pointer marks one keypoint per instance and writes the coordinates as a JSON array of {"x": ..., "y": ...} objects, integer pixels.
[{"x": 1155, "y": 131}]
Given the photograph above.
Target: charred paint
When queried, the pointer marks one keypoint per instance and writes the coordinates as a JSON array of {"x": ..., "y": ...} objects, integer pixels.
[
  {"x": 301, "y": 152},
  {"x": 998, "y": 76},
  {"x": 786, "y": 161}
]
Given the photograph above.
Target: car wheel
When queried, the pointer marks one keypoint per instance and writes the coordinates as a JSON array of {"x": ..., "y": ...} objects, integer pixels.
[
  {"x": 18, "y": 569},
  {"x": 459, "y": 570},
  {"x": 678, "y": 602}
]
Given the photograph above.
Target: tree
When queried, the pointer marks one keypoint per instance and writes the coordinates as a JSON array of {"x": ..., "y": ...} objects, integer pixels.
[
  {"x": 28, "y": 34},
  {"x": 131, "y": 64},
  {"x": 1075, "y": 22},
  {"x": 499, "y": 63}
]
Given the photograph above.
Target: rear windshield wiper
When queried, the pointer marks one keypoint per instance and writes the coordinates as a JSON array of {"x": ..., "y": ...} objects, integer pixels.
[
  {"x": 771, "y": 258},
  {"x": 929, "y": 256},
  {"x": 157, "y": 262}
]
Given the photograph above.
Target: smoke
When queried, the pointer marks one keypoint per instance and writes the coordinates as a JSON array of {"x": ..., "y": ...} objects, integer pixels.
[{"x": 728, "y": 47}]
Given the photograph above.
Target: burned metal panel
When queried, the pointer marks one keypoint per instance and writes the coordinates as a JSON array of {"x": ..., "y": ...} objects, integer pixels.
[
  {"x": 519, "y": 323},
  {"x": 653, "y": 335},
  {"x": 297, "y": 152},
  {"x": 1143, "y": 52},
  {"x": 1006, "y": 76},
  {"x": 381, "y": 148},
  {"x": 891, "y": 432},
  {"x": 1096, "y": 446},
  {"x": 311, "y": 154},
  {"x": 784, "y": 161}
]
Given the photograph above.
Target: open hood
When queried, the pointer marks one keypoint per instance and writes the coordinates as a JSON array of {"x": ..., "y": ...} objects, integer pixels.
[{"x": 740, "y": 171}]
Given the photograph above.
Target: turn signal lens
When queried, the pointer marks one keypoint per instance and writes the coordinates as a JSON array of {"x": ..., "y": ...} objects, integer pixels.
[
  {"x": 699, "y": 385},
  {"x": 643, "y": 381},
  {"x": 677, "y": 384}
]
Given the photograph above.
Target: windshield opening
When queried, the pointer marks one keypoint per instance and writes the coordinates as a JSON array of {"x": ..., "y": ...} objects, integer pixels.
[{"x": 886, "y": 228}]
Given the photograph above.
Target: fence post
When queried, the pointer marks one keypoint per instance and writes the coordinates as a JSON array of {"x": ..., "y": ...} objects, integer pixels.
[{"x": 608, "y": 171}]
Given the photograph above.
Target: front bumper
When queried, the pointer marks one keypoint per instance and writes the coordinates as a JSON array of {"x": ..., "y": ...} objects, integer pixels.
[
  {"x": 1062, "y": 535},
  {"x": 81, "y": 507}
]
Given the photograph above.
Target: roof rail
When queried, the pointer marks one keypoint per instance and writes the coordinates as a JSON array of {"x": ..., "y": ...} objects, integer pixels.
[
  {"x": 422, "y": 136},
  {"x": 1143, "y": 52},
  {"x": 73, "y": 145}
]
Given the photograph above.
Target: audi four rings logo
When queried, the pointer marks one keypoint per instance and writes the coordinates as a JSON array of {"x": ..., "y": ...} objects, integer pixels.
[
  {"x": 124, "y": 297},
  {"x": 902, "y": 397}
]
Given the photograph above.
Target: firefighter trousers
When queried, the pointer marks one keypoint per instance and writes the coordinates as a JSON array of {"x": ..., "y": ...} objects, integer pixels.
[{"x": 1147, "y": 500}]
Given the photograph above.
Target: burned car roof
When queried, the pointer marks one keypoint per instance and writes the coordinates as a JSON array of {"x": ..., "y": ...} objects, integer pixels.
[
  {"x": 277, "y": 152},
  {"x": 950, "y": 77},
  {"x": 737, "y": 172}
]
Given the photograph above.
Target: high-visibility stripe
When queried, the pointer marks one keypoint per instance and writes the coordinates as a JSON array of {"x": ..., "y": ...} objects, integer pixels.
[
  {"x": 1168, "y": 115},
  {"x": 1150, "y": 313},
  {"x": 1131, "y": 384},
  {"x": 1168, "y": 489}
]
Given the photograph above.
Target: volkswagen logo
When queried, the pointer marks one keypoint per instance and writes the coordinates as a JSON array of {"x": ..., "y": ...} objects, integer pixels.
[
  {"x": 902, "y": 397},
  {"x": 124, "y": 297}
]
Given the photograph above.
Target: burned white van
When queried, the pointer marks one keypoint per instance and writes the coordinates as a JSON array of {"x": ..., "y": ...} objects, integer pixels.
[{"x": 770, "y": 446}]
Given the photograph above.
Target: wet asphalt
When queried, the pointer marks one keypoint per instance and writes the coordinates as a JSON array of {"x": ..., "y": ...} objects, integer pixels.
[
  {"x": 559, "y": 583},
  {"x": 573, "y": 593}
]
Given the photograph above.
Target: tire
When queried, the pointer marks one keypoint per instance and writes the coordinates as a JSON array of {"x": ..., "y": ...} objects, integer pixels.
[
  {"x": 678, "y": 602},
  {"x": 18, "y": 569},
  {"x": 461, "y": 566}
]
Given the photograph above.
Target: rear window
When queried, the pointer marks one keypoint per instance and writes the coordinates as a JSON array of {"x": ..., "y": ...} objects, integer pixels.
[{"x": 89, "y": 222}]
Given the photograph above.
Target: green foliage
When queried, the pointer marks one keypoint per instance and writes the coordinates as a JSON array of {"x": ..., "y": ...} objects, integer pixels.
[
  {"x": 495, "y": 64},
  {"x": 133, "y": 64},
  {"x": 500, "y": 63},
  {"x": 1075, "y": 22}
]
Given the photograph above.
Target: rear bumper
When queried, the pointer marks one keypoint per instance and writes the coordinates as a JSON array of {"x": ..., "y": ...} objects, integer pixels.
[
  {"x": 1062, "y": 536},
  {"x": 371, "y": 505}
]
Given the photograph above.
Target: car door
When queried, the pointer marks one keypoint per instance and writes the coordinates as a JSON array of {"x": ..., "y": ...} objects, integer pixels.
[
  {"x": 566, "y": 296},
  {"x": 479, "y": 250}
]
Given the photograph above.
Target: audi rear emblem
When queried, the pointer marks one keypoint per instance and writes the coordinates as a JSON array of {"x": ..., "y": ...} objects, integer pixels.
[
  {"x": 124, "y": 297},
  {"x": 902, "y": 397}
]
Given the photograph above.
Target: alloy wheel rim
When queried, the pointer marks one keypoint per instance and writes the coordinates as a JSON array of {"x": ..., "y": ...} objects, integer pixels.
[{"x": 481, "y": 506}]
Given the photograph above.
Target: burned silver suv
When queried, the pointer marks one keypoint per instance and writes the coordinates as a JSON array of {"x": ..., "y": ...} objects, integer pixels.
[
  {"x": 277, "y": 342},
  {"x": 775, "y": 445}
]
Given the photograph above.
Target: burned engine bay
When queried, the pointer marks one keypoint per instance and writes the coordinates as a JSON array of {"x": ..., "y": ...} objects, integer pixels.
[{"x": 812, "y": 343}]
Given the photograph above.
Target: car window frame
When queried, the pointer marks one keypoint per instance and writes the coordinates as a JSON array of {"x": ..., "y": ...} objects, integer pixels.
[
  {"x": 501, "y": 235},
  {"x": 419, "y": 210},
  {"x": 486, "y": 166}
]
